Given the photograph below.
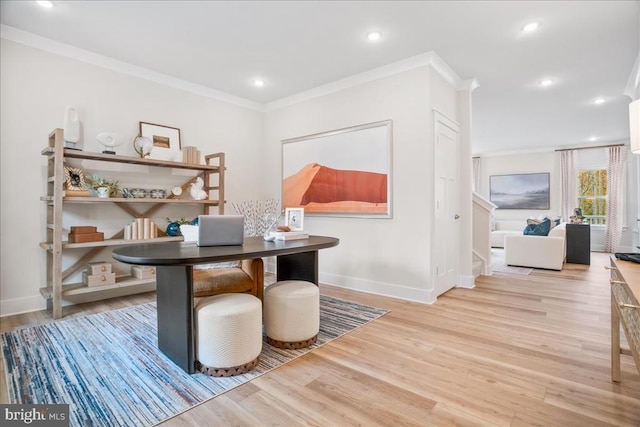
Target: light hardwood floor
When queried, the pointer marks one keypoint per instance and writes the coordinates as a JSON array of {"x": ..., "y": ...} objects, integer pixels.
[{"x": 514, "y": 351}]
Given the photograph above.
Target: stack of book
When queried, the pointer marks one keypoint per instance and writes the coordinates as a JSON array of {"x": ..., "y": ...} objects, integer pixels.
[
  {"x": 291, "y": 235},
  {"x": 140, "y": 228},
  {"x": 191, "y": 155}
]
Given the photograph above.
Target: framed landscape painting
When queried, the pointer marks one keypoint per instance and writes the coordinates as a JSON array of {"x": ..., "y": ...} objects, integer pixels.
[
  {"x": 345, "y": 172},
  {"x": 520, "y": 191}
]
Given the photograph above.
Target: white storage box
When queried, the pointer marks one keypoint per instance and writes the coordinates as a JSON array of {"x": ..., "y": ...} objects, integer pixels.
[
  {"x": 189, "y": 232},
  {"x": 98, "y": 268},
  {"x": 100, "y": 279},
  {"x": 143, "y": 272}
]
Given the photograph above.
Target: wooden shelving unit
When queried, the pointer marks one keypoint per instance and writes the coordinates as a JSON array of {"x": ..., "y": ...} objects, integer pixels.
[{"x": 212, "y": 173}]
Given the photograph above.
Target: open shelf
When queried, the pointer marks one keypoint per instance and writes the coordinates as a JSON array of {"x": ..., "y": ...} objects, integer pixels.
[
  {"x": 81, "y": 288},
  {"x": 57, "y": 200},
  {"x": 111, "y": 242},
  {"x": 130, "y": 200},
  {"x": 76, "y": 154}
]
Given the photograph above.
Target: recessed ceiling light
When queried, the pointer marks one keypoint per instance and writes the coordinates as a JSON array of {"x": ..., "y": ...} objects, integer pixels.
[
  {"x": 374, "y": 36},
  {"x": 258, "y": 83},
  {"x": 598, "y": 101},
  {"x": 45, "y": 3},
  {"x": 546, "y": 82},
  {"x": 531, "y": 26},
  {"x": 593, "y": 138}
]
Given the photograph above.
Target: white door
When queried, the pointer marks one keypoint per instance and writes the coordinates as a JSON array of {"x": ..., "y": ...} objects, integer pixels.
[{"x": 447, "y": 193}]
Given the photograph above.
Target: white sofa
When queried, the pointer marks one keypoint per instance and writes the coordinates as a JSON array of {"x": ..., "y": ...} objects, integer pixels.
[
  {"x": 536, "y": 251},
  {"x": 502, "y": 228}
]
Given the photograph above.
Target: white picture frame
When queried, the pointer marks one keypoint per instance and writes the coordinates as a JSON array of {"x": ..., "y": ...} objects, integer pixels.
[
  {"x": 166, "y": 141},
  {"x": 294, "y": 218}
]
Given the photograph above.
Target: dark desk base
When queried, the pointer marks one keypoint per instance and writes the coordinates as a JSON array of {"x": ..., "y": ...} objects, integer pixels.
[
  {"x": 302, "y": 266},
  {"x": 176, "y": 314},
  {"x": 176, "y": 323}
]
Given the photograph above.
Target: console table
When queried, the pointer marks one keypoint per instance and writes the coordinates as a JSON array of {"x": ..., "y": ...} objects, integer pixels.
[
  {"x": 625, "y": 311},
  {"x": 174, "y": 261},
  {"x": 578, "y": 240}
]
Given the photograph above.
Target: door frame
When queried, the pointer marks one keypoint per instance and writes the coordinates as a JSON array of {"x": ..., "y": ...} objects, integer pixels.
[{"x": 441, "y": 119}]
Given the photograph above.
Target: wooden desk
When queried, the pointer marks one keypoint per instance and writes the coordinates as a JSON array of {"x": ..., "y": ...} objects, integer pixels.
[
  {"x": 174, "y": 261},
  {"x": 625, "y": 310}
]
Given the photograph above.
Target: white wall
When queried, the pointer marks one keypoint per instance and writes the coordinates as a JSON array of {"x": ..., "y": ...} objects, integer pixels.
[
  {"x": 522, "y": 163},
  {"x": 36, "y": 88},
  {"x": 549, "y": 162},
  {"x": 387, "y": 256}
]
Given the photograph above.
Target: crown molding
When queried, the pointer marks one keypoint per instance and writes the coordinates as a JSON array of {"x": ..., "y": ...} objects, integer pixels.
[
  {"x": 424, "y": 59},
  {"x": 551, "y": 149},
  {"x": 469, "y": 85},
  {"x": 68, "y": 51},
  {"x": 632, "y": 89},
  {"x": 523, "y": 151}
]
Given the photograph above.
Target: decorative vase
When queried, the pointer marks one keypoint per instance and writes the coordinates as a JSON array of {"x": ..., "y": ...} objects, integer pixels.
[
  {"x": 103, "y": 192},
  {"x": 173, "y": 229}
]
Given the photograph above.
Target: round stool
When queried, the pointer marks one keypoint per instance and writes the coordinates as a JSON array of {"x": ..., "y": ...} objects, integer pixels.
[
  {"x": 228, "y": 334},
  {"x": 292, "y": 314}
]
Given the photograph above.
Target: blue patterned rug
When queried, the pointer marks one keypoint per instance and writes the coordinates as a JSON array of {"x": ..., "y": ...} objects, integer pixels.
[{"x": 108, "y": 368}]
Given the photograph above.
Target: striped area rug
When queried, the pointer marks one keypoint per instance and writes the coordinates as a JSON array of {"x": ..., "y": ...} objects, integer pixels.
[{"x": 108, "y": 368}]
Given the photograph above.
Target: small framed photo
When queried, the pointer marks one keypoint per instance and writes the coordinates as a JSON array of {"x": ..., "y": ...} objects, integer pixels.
[
  {"x": 294, "y": 218},
  {"x": 166, "y": 141},
  {"x": 74, "y": 179}
]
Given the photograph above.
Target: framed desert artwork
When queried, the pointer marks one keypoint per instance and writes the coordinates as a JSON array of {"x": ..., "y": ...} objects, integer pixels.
[
  {"x": 344, "y": 172},
  {"x": 520, "y": 191}
]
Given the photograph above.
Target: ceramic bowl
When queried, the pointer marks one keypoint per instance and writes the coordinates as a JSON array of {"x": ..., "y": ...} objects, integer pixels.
[
  {"x": 138, "y": 193},
  {"x": 157, "y": 194}
]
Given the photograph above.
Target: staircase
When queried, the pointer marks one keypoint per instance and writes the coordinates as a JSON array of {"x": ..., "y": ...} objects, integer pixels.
[
  {"x": 481, "y": 243},
  {"x": 478, "y": 266}
]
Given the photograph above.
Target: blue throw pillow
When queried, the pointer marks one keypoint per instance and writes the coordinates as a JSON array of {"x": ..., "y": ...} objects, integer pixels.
[{"x": 541, "y": 229}]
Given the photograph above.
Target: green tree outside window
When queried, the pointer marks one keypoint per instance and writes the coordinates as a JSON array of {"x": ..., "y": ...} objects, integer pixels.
[{"x": 592, "y": 195}]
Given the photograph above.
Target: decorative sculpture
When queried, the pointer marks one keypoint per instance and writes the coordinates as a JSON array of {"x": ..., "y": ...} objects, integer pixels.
[{"x": 197, "y": 192}]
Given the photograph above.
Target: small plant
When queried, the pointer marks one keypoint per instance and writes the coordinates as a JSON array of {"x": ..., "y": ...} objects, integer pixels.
[
  {"x": 97, "y": 182},
  {"x": 181, "y": 221}
]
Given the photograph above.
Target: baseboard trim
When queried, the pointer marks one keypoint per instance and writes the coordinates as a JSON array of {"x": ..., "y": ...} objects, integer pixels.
[
  {"x": 466, "y": 282},
  {"x": 424, "y": 296},
  {"x": 15, "y": 306}
]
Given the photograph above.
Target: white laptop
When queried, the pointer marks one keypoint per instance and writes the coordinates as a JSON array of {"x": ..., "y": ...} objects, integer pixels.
[{"x": 220, "y": 230}]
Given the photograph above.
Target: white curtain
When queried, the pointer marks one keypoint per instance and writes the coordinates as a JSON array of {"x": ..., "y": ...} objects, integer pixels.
[
  {"x": 568, "y": 183},
  {"x": 615, "y": 197},
  {"x": 476, "y": 174}
]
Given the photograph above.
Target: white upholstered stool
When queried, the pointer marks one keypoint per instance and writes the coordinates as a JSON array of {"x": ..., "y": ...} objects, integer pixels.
[
  {"x": 292, "y": 314},
  {"x": 228, "y": 334}
]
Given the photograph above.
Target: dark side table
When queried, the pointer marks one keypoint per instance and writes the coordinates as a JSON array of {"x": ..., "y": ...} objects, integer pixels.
[{"x": 578, "y": 240}]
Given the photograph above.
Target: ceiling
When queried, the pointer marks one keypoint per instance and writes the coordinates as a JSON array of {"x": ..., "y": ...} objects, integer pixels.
[{"x": 588, "y": 48}]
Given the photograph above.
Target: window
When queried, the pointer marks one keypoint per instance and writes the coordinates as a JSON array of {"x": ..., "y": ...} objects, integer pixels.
[{"x": 592, "y": 195}]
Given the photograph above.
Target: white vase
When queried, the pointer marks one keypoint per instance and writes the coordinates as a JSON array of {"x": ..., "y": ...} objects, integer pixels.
[{"x": 103, "y": 192}]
